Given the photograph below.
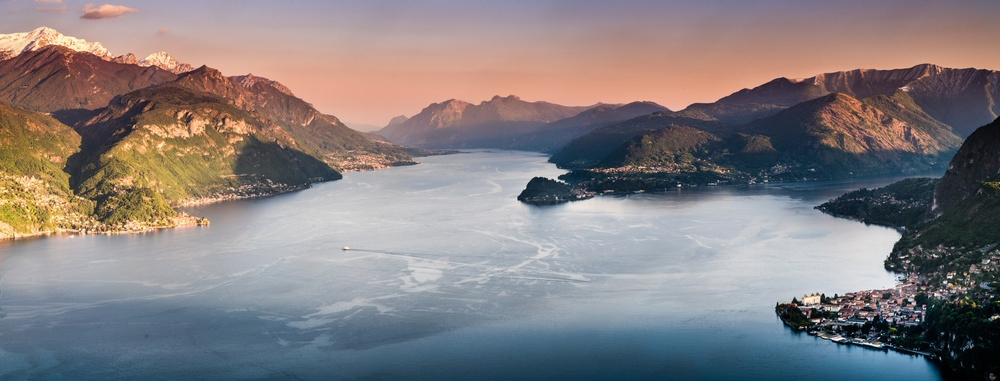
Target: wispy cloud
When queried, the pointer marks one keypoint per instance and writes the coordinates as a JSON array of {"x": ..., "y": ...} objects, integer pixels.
[
  {"x": 59, "y": 9},
  {"x": 105, "y": 11},
  {"x": 162, "y": 32},
  {"x": 48, "y": 1}
]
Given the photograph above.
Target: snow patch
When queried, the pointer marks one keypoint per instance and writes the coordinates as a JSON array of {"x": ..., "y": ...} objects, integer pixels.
[
  {"x": 15, "y": 44},
  {"x": 165, "y": 61}
]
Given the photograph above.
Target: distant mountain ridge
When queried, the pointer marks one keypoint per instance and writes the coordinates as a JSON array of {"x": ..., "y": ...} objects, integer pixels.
[
  {"x": 833, "y": 125},
  {"x": 961, "y": 98},
  {"x": 833, "y": 136},
  {"x": 455, "y": 123},
  {"x": 873, "y": 115},
  {"x": 18, "y": 43},
  {"x": 15, "y": 44},
  {"x": 552, "y": 136},
  {"x": 165, "y": 61},
  {"x": 250, "y": 80}
]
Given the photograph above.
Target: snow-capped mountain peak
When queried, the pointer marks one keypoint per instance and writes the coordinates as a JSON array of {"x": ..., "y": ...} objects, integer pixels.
[
  {"x": 16, "y": 43},
  {"x": 165, "y": 61}
]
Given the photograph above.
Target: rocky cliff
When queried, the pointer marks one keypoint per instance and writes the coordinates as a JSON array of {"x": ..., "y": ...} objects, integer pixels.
[
  {"x": 976, "y": 161},
  {"x": 961, "y": 98}
]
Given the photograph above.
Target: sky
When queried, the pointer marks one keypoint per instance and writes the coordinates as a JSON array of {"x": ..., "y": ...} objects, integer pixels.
[{"x": 366, "y": 61}]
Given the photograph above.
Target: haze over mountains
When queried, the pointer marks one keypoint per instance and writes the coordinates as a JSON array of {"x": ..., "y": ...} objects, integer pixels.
[
  {"x": 941, "y": 104},
  {"x": 506, "y": 122},
  {"x": 455, "y": 123}
]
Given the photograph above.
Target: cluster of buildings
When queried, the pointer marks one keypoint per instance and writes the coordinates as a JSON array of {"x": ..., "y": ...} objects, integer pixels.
[
  {"x": 360, "y": 161},
  {"x": 896, "y": 306},
  {"x": 899, "y": 306},
  {"x": 957, "y": 280}
]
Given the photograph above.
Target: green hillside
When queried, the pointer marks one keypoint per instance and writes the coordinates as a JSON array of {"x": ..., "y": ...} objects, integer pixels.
[
  {"x": 165, "y": 146},
  {"x": 35, "y": 193}
]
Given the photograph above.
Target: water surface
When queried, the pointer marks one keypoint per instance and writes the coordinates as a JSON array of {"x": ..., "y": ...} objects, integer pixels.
[{"x": 449, "y": 276}]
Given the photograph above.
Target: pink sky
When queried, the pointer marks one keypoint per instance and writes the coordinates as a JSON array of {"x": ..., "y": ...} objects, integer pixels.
[{"x": 367, "y": 61}]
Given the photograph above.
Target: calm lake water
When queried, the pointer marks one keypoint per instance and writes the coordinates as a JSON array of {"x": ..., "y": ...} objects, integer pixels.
[{"x": 449, "y": 277}]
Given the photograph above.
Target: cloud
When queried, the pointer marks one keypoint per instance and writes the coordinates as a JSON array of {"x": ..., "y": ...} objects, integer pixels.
[
  {"x": 49, "y": 1},
  {"x": 105, "y": 11},
  {"x": 162, "y": 32}
]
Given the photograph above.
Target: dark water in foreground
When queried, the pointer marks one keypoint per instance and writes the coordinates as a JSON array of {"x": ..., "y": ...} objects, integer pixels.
[{"x": 450, "y": 277}]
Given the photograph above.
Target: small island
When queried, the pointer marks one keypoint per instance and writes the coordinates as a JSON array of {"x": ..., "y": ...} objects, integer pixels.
[{"x": 544, "y": 191}]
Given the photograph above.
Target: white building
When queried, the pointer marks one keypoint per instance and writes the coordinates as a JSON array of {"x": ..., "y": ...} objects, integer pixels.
[{"x": 810, "y": 299}]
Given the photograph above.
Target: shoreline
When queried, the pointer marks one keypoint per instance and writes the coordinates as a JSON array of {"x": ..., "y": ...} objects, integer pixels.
[
  {"x": 183, "y": 219},
  {"x": 838, "y": 339}
]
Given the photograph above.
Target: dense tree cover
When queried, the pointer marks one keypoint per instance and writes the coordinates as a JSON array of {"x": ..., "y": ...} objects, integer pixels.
[
  {"x": 543, "y": 191},
  {"x": 791, "y": 314},
  {"x": 968, "y": 336},
  {"x": 901, "y": 204},
  {"x": 143, "y": 154}
]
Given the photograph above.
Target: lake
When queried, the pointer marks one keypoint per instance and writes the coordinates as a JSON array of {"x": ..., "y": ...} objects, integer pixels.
[{"x": 450, "y": 277}]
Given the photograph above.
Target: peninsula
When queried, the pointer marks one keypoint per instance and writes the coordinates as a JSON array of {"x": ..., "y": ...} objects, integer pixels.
[{"x": 947, "y": 303}]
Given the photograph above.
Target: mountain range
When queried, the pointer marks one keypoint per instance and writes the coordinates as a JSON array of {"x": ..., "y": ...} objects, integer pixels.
[
  {"x": 129, "y": 139},
  {"x": 833, "y": 125},
  {"x": 459, "y": 124},
  {"x": 935, "y": 105},
  {"x": 961, "y": 98},
  {"x": 949, "y": 245},
  {"x": 141, "y": 116}
]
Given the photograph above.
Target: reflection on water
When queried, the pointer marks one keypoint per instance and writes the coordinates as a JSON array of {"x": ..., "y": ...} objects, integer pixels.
[{"x": 450, "y": 277}]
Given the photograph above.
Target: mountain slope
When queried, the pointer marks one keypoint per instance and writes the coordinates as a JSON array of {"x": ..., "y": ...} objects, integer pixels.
[
  {"x": 35, "y": 195},
  {"x": 552, "y": 136},
  {"x": 164, "y": 146},
  {"x": 974, "y": 163},
  {"x": 593, "y": 147},
  {"x": 838, "y": 135},
  {"x": 672, "y": 149},
  {"x": 961, "y": 98},
  {"x": 456, "y": 123},
  {"x": 955, "y": 250},
  {"x": 56, "y": 78},
  {"x": 834, "y": 136},
  {"x": 312, "y": 132}
]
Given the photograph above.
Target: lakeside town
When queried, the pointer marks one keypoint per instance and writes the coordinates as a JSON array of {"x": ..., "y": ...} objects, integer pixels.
[{"x": 890, "y": 318}]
